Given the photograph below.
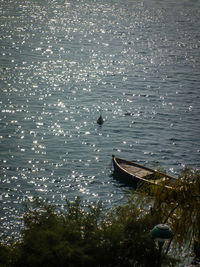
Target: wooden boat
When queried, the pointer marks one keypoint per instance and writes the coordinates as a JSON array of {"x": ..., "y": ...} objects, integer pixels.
[{"x": 133, "y": 173}]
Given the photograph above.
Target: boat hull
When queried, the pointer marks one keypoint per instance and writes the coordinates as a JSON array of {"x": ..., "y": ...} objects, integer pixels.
[
  {"x": 126, "y": 178},
  {"x": 132, "y": 173}
]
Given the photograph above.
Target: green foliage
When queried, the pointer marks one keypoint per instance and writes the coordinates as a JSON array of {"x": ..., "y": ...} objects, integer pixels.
[
  {"x": 5, "y": 252},
  {"x": 80, "y": 237},
  {"x": 178, "y": 207},
  {"x": 137, "y": 235}
]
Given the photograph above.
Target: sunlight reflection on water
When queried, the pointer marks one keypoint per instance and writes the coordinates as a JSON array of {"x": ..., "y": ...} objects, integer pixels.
[{"x": 63, "y": 65}]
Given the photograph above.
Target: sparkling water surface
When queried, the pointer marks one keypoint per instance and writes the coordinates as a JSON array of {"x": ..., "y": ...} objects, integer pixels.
[{"x": 62, "y": 63}]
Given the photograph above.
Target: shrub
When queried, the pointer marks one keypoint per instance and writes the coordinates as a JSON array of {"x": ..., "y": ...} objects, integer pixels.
[
  {"x": 79, "y": 237},
  {"x": 179, "y": 208}
]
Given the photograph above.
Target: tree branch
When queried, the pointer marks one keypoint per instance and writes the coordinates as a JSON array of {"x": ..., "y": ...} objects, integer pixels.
[{"x": 171, "y": 213}]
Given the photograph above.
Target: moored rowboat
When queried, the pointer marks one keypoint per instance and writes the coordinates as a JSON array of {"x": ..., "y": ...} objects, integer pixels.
[{"x": 133, "y": 173}]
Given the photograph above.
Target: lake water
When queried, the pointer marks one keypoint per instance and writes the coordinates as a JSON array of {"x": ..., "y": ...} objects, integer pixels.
[{"x": 62, "y": 63}]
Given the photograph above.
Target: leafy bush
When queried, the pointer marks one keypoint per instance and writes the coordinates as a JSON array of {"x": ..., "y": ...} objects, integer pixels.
[
  {"x": 178, "y": 207},
  {"x": 78, "y": 237}
]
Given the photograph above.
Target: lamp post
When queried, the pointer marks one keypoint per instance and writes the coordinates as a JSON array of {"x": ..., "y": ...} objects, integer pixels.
[{"x": 161, "y": 233}]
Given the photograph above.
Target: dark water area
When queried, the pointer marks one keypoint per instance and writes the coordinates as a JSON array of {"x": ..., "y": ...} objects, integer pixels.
[{"x": 62, "y": 63}]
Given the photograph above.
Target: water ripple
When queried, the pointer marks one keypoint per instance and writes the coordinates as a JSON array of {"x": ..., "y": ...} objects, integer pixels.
[{"x": 62, "y": 65}]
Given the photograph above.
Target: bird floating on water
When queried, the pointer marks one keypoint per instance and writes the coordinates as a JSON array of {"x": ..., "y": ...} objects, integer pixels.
[{"x": 100, "y": 120}]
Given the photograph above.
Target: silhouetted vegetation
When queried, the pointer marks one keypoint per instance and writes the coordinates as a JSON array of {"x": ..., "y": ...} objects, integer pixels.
[
  {"x": 178, "y": 207},
  {"x": 87, "y": 236},
  {"x": 80, "y": 237}
]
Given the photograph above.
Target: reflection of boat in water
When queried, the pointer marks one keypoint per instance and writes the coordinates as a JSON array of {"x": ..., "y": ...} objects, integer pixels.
[{"x": 132, "y": 173}]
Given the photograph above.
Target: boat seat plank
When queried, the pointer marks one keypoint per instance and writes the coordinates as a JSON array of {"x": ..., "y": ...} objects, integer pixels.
[
  {"x": 143, "y": 173},
  {"x": 136, "y": 170}
]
